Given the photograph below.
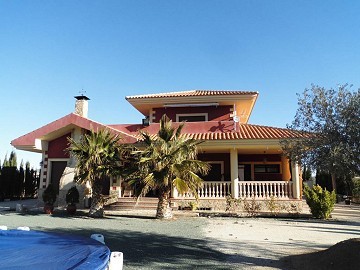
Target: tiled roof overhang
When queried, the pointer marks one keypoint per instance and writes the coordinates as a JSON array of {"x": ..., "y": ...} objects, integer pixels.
[
  {"x": 214, "y": 131},
  {"x": 194, "y": 93},
  {"x": 62, "y": 126}
]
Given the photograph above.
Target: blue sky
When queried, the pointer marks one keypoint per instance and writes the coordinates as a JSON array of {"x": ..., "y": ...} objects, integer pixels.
[{"x": 51, "y": 50}]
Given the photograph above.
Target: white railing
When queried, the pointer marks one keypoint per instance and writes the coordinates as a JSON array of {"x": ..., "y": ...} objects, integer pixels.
[
  {"x": 247, "y": 189},
  {"x": 265, "y": 189},
  {"x": 211, "y": 189}
]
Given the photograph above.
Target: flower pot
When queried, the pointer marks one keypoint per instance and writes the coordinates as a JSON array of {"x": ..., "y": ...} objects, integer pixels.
[
  {"x": 48, "y": 209},
  {"x": 71, "y": 209}
]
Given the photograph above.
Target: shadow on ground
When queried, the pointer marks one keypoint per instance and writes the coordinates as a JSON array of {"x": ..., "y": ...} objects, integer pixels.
[{"x": 147, "y": 250}]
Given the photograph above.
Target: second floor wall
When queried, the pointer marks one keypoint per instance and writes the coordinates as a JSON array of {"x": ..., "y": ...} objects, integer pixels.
[{"x": 193, "y": 114}]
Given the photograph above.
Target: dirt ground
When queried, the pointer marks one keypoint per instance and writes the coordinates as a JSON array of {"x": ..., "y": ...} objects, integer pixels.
[
  {"x": 343, "y": 255},
  {"x": 190, "y": 242}
]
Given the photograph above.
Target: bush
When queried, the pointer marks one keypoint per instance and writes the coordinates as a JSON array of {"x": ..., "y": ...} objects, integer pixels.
[
  {"x": 320, "y": 201},
  {"x": 72, "y": 196},
  {"x": 193, "y": 206},
  {"x": 356, "y": 189},
  {"x": 252, "y": 207},
  {"x": 232, "y": 204},
  {"x": 49, "y": 195},
  {"x": 273, "y": 205}
]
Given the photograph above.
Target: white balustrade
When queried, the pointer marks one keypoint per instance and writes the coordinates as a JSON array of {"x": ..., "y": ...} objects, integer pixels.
[
  {"x": 247, "y": 189},
  {"x": 265, "y": 189},
  {"x": 211, "y": 189}
]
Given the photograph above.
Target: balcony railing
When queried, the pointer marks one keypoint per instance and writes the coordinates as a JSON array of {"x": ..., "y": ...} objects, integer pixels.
[{"x": 246, "y": 189}]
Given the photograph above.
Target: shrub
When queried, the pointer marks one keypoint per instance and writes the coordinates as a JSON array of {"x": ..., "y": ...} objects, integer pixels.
[
  {"x": 72, "y": 196},
  {"x": 252, "y": 207},
  {"x": 356, "y": 189},
  {"x": 273, "y": 205},
  {"x": 232, "y": 204},
  {"x": 193, "y": 205},
  {"x": 49, "y": 195},
  {"x": 320, "y": 201}
]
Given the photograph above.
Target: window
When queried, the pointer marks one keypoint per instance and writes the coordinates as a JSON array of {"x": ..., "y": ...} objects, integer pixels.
[
  {"x": 268, "y": 168},
  {"x": 192, "y": 117},
  {"x": 216, "y": 172}
]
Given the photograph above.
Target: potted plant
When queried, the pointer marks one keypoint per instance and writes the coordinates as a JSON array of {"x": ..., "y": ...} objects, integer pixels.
[
  {"x": 72, "y": 198},
  {"x": 49, "y": 197}
]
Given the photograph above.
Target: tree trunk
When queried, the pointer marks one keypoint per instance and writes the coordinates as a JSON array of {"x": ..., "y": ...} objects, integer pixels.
[
  {"x": 164, "y": 210},
  {"x": 97, "y": 203},
  {"x": 333, "y": 181}
]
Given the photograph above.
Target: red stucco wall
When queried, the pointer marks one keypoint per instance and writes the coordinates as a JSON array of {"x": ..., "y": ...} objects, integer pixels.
[
  {"x": 219, "y": 113},
  {"x": 57, "y": 147}
]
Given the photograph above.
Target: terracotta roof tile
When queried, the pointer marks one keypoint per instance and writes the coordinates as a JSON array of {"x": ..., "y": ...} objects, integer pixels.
[
  {"x": 218, "y": 131},
  {"x": 193, "y": 93}
]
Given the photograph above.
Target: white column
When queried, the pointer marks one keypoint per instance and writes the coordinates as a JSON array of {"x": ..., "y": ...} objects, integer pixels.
[
  {"x": 295, "y": 176},
  {"x": 234, "y": 173},
  {"x": 174, "y": 192}
]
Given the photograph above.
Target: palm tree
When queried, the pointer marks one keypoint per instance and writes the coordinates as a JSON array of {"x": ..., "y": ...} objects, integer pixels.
[
  {"x": 168, "y": 160},
  {"x": 98, "y": 157}
]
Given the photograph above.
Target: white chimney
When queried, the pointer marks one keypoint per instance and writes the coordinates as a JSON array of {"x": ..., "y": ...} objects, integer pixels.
[{"x": 81, "y": 106}]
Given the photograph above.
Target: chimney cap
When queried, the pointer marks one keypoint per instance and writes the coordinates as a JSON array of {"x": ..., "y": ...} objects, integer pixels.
[{"x": 82, "y": 97}]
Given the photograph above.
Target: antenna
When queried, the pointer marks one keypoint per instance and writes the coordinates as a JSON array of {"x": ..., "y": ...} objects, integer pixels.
[{"x": 82, "y": 92}]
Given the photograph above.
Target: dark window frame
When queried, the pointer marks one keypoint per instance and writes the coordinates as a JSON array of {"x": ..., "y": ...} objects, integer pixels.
[
  {"x": 192, "y": 117},
  {"x": 267, "y": 168}
]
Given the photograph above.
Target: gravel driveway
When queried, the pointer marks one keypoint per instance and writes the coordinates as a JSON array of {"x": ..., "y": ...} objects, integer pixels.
[{"x": 200, "y": 242}]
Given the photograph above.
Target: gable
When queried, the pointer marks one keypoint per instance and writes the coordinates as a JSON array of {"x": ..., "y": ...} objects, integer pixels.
[{"x": 58, "y": 128}]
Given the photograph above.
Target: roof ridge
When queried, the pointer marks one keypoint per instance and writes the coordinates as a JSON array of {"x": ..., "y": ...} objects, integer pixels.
[{"x": 194, "y": 91}]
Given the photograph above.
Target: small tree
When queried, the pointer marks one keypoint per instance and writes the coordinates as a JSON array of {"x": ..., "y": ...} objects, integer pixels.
[
  {"x": 168, "y": 160},
  {"x": 49, "y": 197},
  {"x": 329, "y": 121},
  {"x": 320, "y": 201},
  {"x": 98, "y": 156},
  {"x": 72, "y": 196},
  {"x": 31, "y": 181}
]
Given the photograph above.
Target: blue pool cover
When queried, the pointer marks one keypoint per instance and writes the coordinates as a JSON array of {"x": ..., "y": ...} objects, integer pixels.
[{"x": 43, "y": 250}]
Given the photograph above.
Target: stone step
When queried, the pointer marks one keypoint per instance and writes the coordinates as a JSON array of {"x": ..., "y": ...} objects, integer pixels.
[{"x": 146, "y": 203}]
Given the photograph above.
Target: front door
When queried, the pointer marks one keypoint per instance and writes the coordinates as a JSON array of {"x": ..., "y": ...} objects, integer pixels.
[{"x": 57, "y": 170}]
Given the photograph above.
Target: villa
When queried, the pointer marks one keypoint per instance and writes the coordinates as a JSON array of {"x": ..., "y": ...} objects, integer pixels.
[{"x": 247, "y": 160}]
